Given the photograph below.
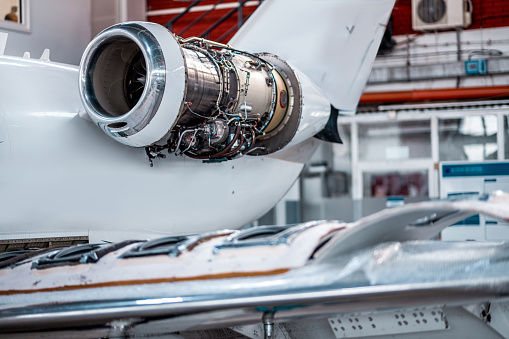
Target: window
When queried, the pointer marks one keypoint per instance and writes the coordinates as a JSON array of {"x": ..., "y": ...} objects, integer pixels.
[
  {"x": 396, "y": 183},
  {"x": 394, "y": 140},
  {"x": 338, "y": 181},
  {"x": 470, "y": 138},
  {"x": 14, "y": 15}
]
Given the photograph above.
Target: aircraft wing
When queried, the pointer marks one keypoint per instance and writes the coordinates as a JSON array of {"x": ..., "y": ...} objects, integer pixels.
[
  {"x": 281, "y": 277},
  {"x": 418, "y": 221}
]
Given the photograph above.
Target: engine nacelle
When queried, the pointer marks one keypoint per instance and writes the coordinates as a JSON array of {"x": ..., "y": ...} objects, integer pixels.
[{"x": 147, "y": 88}]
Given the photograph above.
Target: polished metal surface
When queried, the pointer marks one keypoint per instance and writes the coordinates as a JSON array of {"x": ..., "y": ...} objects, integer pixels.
[
  {"x": 266, "y": 235},
  {"x": 324, "y": 303},
  {"x": 103, "y": 70},
  {"x": 256, "y": 88},
  {"x": 288, "y": 119},
  {"x": 279, "y": 110},
  {"x": 203, "y": 86}
]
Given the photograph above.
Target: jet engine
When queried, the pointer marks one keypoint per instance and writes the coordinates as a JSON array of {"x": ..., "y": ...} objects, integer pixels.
[{"x": 146, "y": 87}]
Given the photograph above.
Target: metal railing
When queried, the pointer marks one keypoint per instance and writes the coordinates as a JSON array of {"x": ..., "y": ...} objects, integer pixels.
[
  {"x": 200, "y": 18},
  {"x": 169, "y": 25},
  {"x": 214, "y": 27}
]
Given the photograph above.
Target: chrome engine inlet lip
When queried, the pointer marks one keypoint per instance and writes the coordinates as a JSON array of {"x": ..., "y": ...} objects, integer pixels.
[
  {"x": 140, "y": 115},
  {"x": 144, "y": 123}
]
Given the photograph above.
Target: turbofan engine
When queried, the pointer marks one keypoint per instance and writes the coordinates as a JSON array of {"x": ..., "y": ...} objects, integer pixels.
[{"x": 145, "y": 87}]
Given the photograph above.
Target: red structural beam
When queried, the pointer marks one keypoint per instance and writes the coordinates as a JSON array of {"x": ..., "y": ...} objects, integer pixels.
[{"x": 494, "y": 92}]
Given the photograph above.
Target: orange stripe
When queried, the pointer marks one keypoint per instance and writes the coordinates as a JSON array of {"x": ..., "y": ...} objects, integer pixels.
[
  {"x": 150, "y": 281},
  {"x": 436, "y": 94}
]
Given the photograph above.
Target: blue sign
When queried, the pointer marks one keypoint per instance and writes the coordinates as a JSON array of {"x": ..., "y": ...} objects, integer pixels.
[
  {"x": 475, "y": 170},
  {"x": 474, "y": 67}
]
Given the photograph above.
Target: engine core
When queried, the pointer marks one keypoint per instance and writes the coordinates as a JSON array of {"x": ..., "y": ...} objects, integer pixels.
[{"x": 145, "y": 87}]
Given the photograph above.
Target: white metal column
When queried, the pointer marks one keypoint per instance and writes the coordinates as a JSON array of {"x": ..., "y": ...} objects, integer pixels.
[
  {"x": 356, "y": 173},
  {"x": 122, "y": 11},
  {"x": 434, "y": 191},
  {"x": 500, "y": 137}
]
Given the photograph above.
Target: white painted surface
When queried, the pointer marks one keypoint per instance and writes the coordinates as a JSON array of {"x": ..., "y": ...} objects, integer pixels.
[
  {"x": 136, "y": 10},
  {"x": 104, "y": 15},
  {"x": 60, "y": 25},
  {"x": 172, "y": 97},
  {"x": 122, "y": 10},
  {"x": 335, "y": 47},
  {"x": 60, "y": 172},
  {"x": 108, "y": 13},
  {"x": 397, "y": 153},
  {"x": 3, "y": 42},
  {"x": 315, "y": 110}
]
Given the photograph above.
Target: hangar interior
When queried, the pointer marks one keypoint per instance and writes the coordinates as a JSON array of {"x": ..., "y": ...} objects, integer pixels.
[
  {"x": 433, "y": 123},
  {"x": 438, "y": 92}
]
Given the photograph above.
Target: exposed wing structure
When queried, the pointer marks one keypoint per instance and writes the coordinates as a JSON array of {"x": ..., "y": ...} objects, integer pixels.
[
  {"x": 333, "y": 42},
  {"x": 419, "y": 221},
  {"x": 280, "y": 274}
]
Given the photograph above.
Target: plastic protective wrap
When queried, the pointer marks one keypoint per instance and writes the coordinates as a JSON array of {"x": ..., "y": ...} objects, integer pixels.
[{"x": 432, "y": 261}]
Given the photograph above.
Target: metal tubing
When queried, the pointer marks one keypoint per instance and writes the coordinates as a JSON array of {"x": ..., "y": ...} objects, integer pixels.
[
  {"x": 34, "y": 317},
  {"x": 268, "y": 325},
  {"x": 203, "y": 87},
  {"x": 203, "y": 40}
]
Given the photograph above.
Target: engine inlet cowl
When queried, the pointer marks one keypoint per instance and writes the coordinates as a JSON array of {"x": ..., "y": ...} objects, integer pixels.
[{"x": 129, "y": 73}]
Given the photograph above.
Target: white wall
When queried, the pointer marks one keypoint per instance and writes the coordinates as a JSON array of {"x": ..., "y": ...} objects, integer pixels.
[
  {"x": 136, "y": 10},
  {"x": 108, "y": 13},
  {"x": 104, "y": 14},
  {"x": 63, "y": 26}
]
